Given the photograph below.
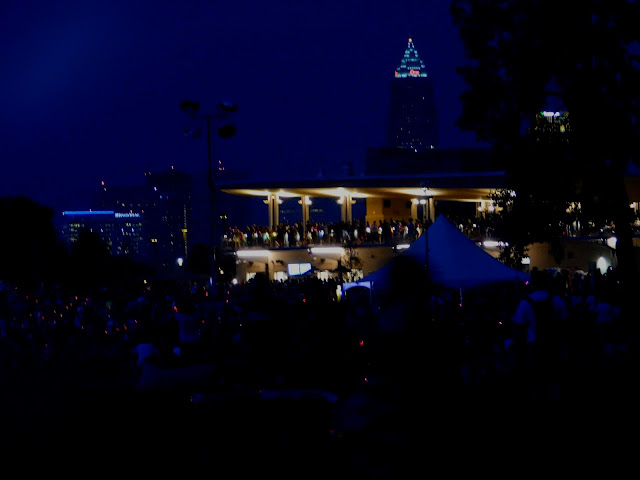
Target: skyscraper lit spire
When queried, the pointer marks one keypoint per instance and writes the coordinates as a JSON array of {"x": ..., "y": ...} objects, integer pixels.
[
  {"x": 411, "y": 64},
  {"x": 412, "y": 120}
]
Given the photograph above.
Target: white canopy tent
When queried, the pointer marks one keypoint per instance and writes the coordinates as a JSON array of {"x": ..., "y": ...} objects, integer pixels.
[{"x": 454, "y": 261}]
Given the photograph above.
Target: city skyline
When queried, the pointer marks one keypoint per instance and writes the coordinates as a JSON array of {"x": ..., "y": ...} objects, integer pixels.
[{"x": 92, "y": 92}]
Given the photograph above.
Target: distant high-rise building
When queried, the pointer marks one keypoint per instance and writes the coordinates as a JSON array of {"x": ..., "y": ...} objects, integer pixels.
[
  {"x": 551, "y": 128},
  {"x": 122, "y": 232},
  {"x": 169, "y": 217},
  {"x": 412, "y": 121},
  {"x": 166, "y": 201}
]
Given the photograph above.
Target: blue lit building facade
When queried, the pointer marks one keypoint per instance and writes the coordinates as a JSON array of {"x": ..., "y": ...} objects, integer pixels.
[
  {"x": 122, "y": 232},
  {"x": 165, "y": 200},
  {"x": 412, "y": 121}
]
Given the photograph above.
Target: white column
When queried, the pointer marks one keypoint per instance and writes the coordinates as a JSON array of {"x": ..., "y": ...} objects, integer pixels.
[
  {"x": 305, "y": 201},
  {"x": 273, "y": 205},
  {"x": 276, "y": 211},
  {"x": 349, "y": 208},
  {"x": 414, "y": 208},
  {"x": 432, "y": 209},
  {"x": 343, "y": 200}
]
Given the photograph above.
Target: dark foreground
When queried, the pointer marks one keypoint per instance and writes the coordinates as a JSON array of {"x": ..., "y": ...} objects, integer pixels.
[{"x": 57, "y": 422}]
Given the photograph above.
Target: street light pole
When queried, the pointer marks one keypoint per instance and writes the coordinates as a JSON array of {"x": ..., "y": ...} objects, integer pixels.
[
  {"x": 225, "y": 130},
  {"x": 209, "y": 154},
  {"x": 427, "y": 214},
  {"x": 427, "y": 194}
]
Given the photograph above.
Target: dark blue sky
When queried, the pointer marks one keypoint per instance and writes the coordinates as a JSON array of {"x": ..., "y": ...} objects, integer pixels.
[{"x": 90, "y": 91}]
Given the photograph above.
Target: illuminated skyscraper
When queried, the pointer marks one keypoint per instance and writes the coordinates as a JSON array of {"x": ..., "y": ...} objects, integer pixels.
[
  {"x": 412, "y": 121},
  {"x": 552, "y": 128}
]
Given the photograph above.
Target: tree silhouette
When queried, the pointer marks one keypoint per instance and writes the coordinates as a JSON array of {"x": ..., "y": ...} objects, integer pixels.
[
  {"x": 199, "y": 260},
  {"x": 90, "y": 260},
  {"x": 524, "y": 56},
  {"x": 92, "y": 266},
  {"x": 32, "y": 252}
]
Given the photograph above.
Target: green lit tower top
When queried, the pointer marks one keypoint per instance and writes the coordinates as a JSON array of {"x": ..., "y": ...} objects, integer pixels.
[
  {"x": 411, "y": 64},
  {"x": 412, "y": 121}
]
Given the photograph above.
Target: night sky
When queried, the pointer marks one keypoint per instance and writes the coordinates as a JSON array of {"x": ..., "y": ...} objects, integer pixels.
[{"x": 90, "y": 91}]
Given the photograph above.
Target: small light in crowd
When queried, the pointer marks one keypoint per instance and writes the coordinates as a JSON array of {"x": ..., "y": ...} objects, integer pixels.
[
  {"x": 494, "y": 243},
  {"x": 319, "y": 250},
  {"x": 602, "y": 265},
  {"x": 252, "y": 253},
  {"x": 234, "y": 281},
  {"x": 526, "y": 261}
]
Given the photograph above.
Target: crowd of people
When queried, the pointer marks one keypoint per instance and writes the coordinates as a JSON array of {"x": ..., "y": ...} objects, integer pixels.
[
  {"x": 321, "y": 233},
  {"x": 387, "y": 232},
  {"x": 501, "y": 345}
]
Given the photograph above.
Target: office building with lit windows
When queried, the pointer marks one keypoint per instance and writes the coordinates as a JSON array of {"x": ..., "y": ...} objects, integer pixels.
[
  {"x": 122, "y": 232},
  {"x": 551, "y": 128},
  {"x": 165, "y": 199},
  {"x": 163, "y": 206},
  {"x": 412, "y": 121}
]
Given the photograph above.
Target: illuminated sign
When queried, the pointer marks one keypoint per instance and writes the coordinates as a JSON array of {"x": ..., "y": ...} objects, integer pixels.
[
  {"x": 88, "y": 212},
  {"x": 415, "y": 73},
  {"x": 127, "y": 215},
  {"x": 298, "y": 268}
]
